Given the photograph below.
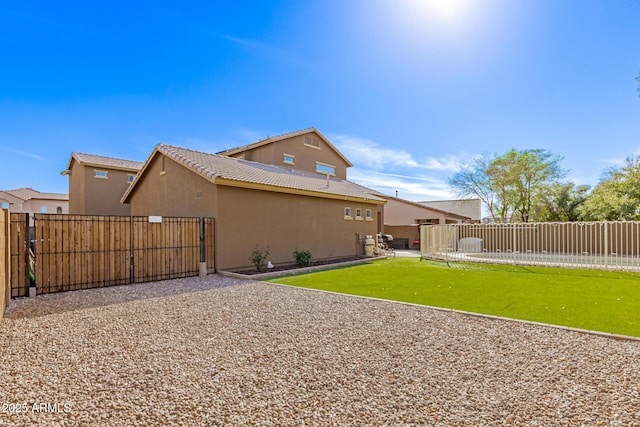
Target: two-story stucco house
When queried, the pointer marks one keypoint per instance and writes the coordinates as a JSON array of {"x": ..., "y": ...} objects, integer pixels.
[{"x": 96, "y": 184}]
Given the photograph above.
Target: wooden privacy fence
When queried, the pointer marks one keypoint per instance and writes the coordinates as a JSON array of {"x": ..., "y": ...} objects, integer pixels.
[
  {"x": 86, "y": 251},
  {"x": 5, "y": 285},
  {"x": 600, "y": 245}
]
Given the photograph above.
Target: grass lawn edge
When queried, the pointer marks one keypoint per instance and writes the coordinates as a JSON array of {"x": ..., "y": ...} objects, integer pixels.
[{"x": 471, "y": 313}]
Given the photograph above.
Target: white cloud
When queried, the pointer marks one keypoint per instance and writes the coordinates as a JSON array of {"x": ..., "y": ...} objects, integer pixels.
[
  {"x": 366, "y": 153},
  {"x": 414, "y": 188},
  {"x": 23, "y": 153}
]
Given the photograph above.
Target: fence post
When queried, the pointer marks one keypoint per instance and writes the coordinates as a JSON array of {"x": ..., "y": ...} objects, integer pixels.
[
  {"x": 203, "y": 260},
  {"x": 515, "y": 242},
  {"x": 27, "y": 246},
  {"x": 606, "y": 245},
  {"x": 131, "y": 258}
]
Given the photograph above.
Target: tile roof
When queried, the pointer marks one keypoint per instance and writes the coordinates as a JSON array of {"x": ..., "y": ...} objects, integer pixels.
[
  {"x": 111, "y": 162},
  {"x": 288, "y": 135},
  {"x": 214, "y": 166},
  {"x": 29, "y": 193}
]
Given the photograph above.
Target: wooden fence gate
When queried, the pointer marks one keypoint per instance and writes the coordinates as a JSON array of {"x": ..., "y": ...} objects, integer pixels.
[{"x": 87, "y": 251}]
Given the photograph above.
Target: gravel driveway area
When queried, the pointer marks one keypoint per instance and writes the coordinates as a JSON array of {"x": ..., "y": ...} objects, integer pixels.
[{"x": 221, "y": 351}]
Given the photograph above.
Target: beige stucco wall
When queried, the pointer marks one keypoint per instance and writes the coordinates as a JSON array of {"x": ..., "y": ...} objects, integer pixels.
[
  {"x": 15, "y": 203},
  {"x": 305, "y": 156},
  {"x": 37, "y": 205},
  {"x": 467, "y": 207},
  {"x": 247, "y": 217},
  {"x": 76, "y": 189},
  {"x": 400, "y": 213},
  {"x": 102, "y": 196},
  {"x": 176, "y": 192},
  {"x": 32, "y": 206}
]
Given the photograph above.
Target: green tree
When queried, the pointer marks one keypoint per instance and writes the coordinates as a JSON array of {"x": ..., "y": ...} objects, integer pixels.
[
  {"x": 562, "y": 203},
  {"x": 528, "y": 174},
  {"x": 512, "y": 184},
  {"x": 474, "y": 180},
  {"x": 617, "y": 196}
]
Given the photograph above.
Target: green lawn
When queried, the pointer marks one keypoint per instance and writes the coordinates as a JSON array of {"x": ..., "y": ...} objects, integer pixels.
[{"x": 588, "y": 299}]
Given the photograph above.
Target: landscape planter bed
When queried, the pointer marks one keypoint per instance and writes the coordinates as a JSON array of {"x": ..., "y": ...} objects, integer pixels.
[{"x": 292, "y": 269}]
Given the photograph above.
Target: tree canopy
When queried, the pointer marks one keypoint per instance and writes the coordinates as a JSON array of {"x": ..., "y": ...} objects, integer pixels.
[
  {"x": 617, "y": 196},
  {"x": 512, "y": 184}
]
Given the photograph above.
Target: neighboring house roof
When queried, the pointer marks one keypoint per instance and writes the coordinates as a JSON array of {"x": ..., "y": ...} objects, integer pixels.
[
  {"x": 273, "y": 139},
  {"x": 29, "y": 193},
  {"x": 469, "y": 207},
  {"x": 236, "y": 172},
  {"x": 102, "y": 161},
  {"x": 419, "y": 205}
]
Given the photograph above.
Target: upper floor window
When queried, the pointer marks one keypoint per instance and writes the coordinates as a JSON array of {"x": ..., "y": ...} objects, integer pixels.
[
  {"x": 289, "y": 159},
  {"x": 311, "y": 142},
  {"x": 43, "y": 209},
  {"x": 130, "y": 178},
  {"x": 101, "y": 174},
  {"x": 368, "y": 215},
  {"x": 59, "y": 209},
  {"x": 325, "y": 168},
  {"x": 4, "y": 205},
  {"x": 358, "y": 213}
]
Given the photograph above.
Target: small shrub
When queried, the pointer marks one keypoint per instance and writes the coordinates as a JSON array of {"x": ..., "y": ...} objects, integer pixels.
[
  {"x": 259, "y": 258},
  {"x": 302, "y": 258}
]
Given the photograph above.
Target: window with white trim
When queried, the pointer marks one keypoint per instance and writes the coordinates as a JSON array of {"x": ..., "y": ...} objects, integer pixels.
[
  {"x": 101, "y": 174},
  {"x": 130, "y": 178},
  {"x": 368, "y": 215},
  {"x": 325, "y": 168},
  {"x": 359, "y": 214},
  {"x": 347, "y": 213},
  {"x": 311, "y": 142},
  {"x": 289, "y": 159}
]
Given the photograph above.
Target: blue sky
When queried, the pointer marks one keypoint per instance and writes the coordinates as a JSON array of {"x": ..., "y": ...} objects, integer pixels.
[{"x": 408, "y": 90}]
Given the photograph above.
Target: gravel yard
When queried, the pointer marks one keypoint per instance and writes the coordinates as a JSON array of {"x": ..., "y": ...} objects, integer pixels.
[{"x": 221, "y": 351}]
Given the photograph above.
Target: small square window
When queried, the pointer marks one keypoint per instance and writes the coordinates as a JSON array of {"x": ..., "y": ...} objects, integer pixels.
[
  {"x": 358, "y": 213},
  {"x": 43, "y": 209},
  {"x": 101, "y": 174},
  {"x": 289, "y": 159},
  {"x": 368, "y": 216},
  {"x": 130, "y": 178},
  {"x": 347, "y": 213}
]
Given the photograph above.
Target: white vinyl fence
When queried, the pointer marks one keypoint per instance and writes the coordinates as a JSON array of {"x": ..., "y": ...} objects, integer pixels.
[{"x": 594, "y": 245}]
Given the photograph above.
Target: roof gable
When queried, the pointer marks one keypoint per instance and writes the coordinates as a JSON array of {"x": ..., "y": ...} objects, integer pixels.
[
  {"x": 224, "y": 170},
  {"x": 426, "y": 208},
  {"x": 273, "y": 139},
  {"x": 103, "y": 162},
  {"x": 29, "y": 193}
]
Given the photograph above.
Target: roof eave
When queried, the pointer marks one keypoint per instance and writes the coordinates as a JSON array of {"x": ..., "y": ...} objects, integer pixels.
[{"x": 288, "y": 190}]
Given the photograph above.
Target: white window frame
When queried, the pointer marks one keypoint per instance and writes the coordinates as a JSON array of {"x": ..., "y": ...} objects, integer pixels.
[
  {"x": 285, "y": 158},
  {"x": 310, "y": 142},
  {"x": 100, "y": 174},
  {"x": 347, "y": 213},
  {"x": 326, "y": 165},
  {"x": 368, "y": 215}
]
